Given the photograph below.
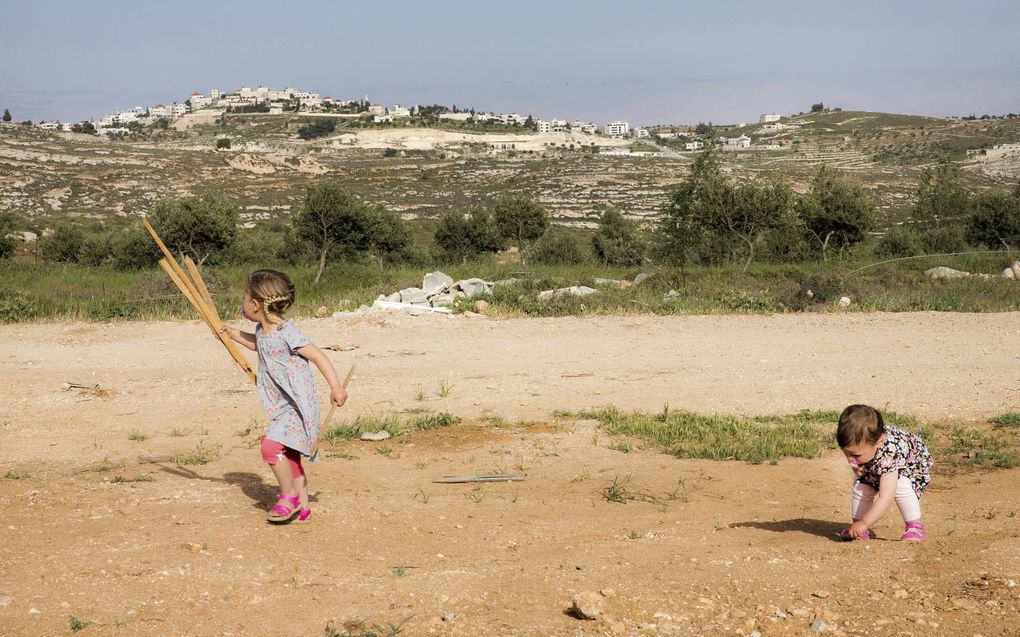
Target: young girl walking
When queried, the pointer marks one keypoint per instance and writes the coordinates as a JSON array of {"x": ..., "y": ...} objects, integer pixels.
[
  {"x": 286, "y": 387},
  {"x": 889, "y": 464}
]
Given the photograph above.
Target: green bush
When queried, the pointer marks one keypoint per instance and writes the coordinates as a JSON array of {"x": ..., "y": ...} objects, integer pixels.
[
  {"x": 15, "y": 306},
  {"x": 558, "y": 246},
  {"x": 900, "y": 241}
]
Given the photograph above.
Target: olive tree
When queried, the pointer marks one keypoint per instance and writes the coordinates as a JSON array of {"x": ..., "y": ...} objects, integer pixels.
[{"x": 522, "y": 220}]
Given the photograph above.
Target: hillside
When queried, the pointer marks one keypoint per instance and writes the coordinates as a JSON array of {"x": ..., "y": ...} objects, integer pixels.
[{"x": 423, "y": 171}]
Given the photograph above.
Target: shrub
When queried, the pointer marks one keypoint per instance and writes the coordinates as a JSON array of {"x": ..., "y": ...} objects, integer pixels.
[
  {"x": 558, "y": 246},
  {"x": 900, "y": 241},
  {"x": 222, "y": 143},
  {"x": 318, "y": 128},
  {"x": 63, "y": 246},
  {"x": 15, "y": 306}
]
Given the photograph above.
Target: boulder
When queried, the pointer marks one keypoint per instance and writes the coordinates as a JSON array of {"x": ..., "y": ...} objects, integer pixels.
[
  {"x": 1008, "y": 274},
  {"x": 573, "y": 290},
  {"x": 473, "y": 287},
  {"x": 587, "y": 605},
  {"x": 1016, "y": 270},
  {"x": 435, "y": 282},
  {"x": 446, "y": 298},
  {"x": 642, "y": 276},
  {"x": 844, "y": 301},
  {"x": 942, "y": 272},
  {"x": 413, "y": 295},
  {"x": 503, "y": 282}
]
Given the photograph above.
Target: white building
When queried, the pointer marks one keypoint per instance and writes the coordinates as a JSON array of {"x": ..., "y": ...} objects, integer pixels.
[
  {"x": 641, "y": 133},
  {"x": 179, "y": 109},
  {"x": 382, "y": 118},
  {"x": 215, "y": 94},
  {"x": 376, "y": 109},
  {"x": 616, "y": 129},
  {"x": 585, "y": 127},
  {"x": 695, "y": 145},
  {"x": 199, "y": 101},
  {"x": 733, "y": 143},
  {"x": 774, "y": 127},
  {"x": 400, "y": 111},
  {"x": 54, "y": 125},
  {"x": 457, "y": 117},
  {"x": 765, "y": 118},
  {"x": 544, "y": 126}
]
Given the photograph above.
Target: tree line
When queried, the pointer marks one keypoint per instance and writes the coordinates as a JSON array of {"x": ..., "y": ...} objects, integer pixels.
[{"x": 709, "y": 219}]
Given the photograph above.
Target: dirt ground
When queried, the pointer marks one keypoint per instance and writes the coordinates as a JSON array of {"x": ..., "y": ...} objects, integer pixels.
[{"x": 724, "y": 548}]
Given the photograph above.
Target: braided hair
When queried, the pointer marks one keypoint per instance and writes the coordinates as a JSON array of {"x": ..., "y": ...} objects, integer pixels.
[{"x": 274, "y": 290}]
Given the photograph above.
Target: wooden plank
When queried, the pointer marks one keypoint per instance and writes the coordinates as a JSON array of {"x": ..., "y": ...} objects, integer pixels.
[{"x": 482, "y": 477}]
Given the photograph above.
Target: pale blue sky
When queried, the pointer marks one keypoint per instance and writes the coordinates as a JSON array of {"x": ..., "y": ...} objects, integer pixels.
[{"x": 643, "y": 61}]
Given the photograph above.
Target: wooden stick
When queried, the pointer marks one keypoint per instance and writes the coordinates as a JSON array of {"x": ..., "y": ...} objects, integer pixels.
[
  {"x": 329, "y": 414},
  {"x": 199, "y": 282},
  {"x": 191, "y": 291},
  {"x": 482, "y": 477}
]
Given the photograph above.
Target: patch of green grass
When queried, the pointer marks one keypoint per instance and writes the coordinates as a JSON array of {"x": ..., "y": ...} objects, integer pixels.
[
  {"x": 144, "y": 477},
  {"x": 14, "y": 474},
  {"x": 343, "y": 455},
  {"x": 689, "y": 435},
  {"x": 77, "y": 624},
  {"x": 200, "y": 455},
  {"x": 384, "y": 450},
  {"x": 445, "y": 388},
  {"x": 360, "y": 629},
  {"x": 137, "y": 436},
  {"x": 176, "y": 432},
  {"x": 984, "y": 449},
  {"x": 1010, "y": 419},
  {"x": 347, "y": 430},
  {"x": 622, "y": 447},
  {"x": 434, "y": 421}
]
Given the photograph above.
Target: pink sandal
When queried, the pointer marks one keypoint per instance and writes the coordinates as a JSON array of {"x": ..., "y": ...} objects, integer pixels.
[
  {"x": 282, "y": 512},
  {"x": 304, "y": 515},
  {"x": 914, "y": 532}
]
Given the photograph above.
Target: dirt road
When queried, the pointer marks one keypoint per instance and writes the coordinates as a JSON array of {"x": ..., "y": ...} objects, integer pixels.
[{"x": 724, "y": 548}]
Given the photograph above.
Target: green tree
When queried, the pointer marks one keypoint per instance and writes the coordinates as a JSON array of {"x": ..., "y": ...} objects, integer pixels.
[
  {"x": 682, "y": 227},
  {"x": 223, "y": 143},
  {"x": 7, "y": 115},
  {"x": 559, "y": 246},
  {"x": 63, "y": 245},
  {"x": 618, "y": 241},
  {"x": 942, "y": 198},
  {"x": 6, "y": 227},
  {"x": 522, "y": 220},
  {"x": 201, "y": 227},
  {"x": 331, "y": 216},
  {"x": 748, "y": 211},
  {"x": 461, "y": 236},
  {"x": 836, "y": 211},
  {"x": 994, "y": 220},
  {"x": 387, "y": 236}
]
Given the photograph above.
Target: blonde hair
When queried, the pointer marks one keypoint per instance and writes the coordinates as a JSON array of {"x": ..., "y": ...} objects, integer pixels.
[
  {"x": 274, "y": 290},
  {"x": 857, "y": 424}
]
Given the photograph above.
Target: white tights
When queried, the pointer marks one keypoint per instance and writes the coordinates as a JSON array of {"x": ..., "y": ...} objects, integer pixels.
[{"x": 862, "y": 496}]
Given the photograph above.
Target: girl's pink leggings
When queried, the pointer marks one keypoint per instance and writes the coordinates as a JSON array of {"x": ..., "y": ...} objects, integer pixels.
[{"x": 273, "y": 452}]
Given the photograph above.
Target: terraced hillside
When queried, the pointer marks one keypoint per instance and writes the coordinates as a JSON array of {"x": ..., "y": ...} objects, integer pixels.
[{"x": 422, "y": 172}]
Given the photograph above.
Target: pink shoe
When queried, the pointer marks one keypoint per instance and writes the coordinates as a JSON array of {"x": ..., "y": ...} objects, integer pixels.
[
  {"x": 914, "y": 532},
  {"x": 304, "y": 515},
  {"x": 846, "y": 537},
  {"x": 286, "y": 507}
]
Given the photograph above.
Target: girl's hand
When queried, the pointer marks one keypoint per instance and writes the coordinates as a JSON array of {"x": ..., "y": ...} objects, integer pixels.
[
  {"x": 338, "y": 396},
  {"x": 227, "y": 330},
  {"x": 858, "y": 528}
]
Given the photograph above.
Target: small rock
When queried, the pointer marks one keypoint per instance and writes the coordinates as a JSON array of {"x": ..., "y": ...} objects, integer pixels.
[
  {"x": 1008, "y": 273},
  {"x": 900, "y": 593},
  {"x": 193, "y": 547},
  {"x": 798, "y": 612},
  {"x": 643, "y": 276},
  {"x": 449, "y": 617},
  {"x": 964, "y": 602},
  {"x": 608, "y": 593},
  {"x": 626, "y": 284},
  {"x": 844, "y": 301},
  {"x": 5, "y": 600},
  {"x": 820, "y": 594},
  {"x": 481, "y": 306},
  {"x": 375, "y": 436},
  {"x": 322, "y": 312},
  {"x": 34, "y": 611},
  {"x": 942, "y": 272},
  {"x": 660, "y": 616},
  {"x": 587, "y": 605},
  {"x": 669, "y": 296},
  {"x": 819, "y": 626}
]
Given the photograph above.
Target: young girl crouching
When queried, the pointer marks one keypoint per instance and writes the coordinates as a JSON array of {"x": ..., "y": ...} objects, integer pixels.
[{"x": 889, "y": 464}]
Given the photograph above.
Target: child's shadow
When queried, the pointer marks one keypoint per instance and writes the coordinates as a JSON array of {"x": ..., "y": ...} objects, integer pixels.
[
  {"x": 821, "y": 528},
  {"x": 251, "y": 484}
]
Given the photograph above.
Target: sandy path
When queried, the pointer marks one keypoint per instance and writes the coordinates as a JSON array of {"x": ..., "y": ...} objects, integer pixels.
[{"x": 745, "y": 548}]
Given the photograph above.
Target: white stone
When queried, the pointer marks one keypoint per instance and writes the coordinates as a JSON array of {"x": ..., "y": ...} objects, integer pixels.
[
  {"x": 573, "y": 290},
  {"x": 435, "y": 282},
  {"x": 473, "y": 287},
  {"x": 588, "y": 605},
  {"x": 641, "y": 277},
  {"x": 844, "y": 301},
  {"x": 942, "y": 272}
]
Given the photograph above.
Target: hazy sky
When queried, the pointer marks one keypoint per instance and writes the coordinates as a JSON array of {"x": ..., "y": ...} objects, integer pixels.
[{"x": 644, "y": 61}]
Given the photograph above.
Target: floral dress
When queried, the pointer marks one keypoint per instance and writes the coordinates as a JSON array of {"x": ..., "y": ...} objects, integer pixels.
[
  {"x": 286, "y": 388},
  {"x": 903, "y": 453}
]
